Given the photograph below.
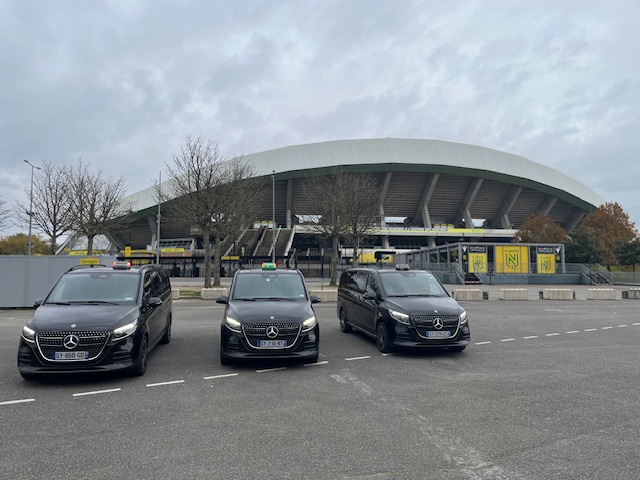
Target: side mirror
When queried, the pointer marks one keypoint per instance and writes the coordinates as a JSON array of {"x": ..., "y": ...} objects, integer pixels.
[
  {"x": 155, "y": 301},
  {"x": 222, "y": 299},
  {"x": 370, "y": 296},
  {"x": 38, "y": 302},
  {"x": 315, "y": 299}
]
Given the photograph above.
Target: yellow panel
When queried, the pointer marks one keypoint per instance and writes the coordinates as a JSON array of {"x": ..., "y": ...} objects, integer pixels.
[
  {"x": 478, "y": 262},
  {"x": 546, "y": 263},
  {"x": 512, "y": 259}
]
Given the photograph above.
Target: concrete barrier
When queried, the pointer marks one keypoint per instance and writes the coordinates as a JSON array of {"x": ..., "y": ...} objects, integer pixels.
[
  {"x": 633, "y": 293},
  {"x": 325, "y": 295},
  {"x": 558, "y": 294},
  {"x": 175, "y": 293},
  {"x": 514, "y": 294},
  {"x": 601, "y": 294},
  {"x": 212, "y": 293},
  {"x": 470, "y": 294}
]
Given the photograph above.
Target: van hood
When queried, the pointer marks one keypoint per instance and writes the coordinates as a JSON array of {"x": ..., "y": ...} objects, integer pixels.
[
  {"x": 270, "y": 311},
  {"x": 425, "y": 305},
  {"x": 84, "y": 317}
]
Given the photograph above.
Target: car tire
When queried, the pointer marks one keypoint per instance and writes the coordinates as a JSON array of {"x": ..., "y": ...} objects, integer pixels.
[
  {"x": 140, "y": 367},
  {"x": 344, "y": 324},
  {"x": 382, "y": 338},
  {"x": 457, "y": 349},
  {"x": 166, "y": 338}
]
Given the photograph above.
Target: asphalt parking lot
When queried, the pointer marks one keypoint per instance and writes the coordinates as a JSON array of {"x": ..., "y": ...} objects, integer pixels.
[{"x": 546, "y": 390}]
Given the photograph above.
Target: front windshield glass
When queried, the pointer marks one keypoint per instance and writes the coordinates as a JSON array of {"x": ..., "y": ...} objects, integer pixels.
[
  {"x": 111, "y": 287},
  {"x": 268, "y": 285},
  {"x": 411, "y": 283}
]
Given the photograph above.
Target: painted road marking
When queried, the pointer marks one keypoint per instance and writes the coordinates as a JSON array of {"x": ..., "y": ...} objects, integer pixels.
[
  {"x": 97, "y": 392},
  {"x": 164, "y": 383},
  {"x": 314, "y": 364},
  {"x": 271, "y": 369},
  {"x": 13, "y": 402},
  {"x": 221, "y": 376},
  {"x": 530, "y": 336},
  {"x": 357, "y": 358}
]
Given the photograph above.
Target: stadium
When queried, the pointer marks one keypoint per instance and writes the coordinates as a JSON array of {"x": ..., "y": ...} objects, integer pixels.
[{"x": 433, "y": 193}]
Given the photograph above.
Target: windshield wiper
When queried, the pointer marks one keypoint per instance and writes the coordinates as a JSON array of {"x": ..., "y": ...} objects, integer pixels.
[
  {"x": 57, "y": 303},
  {"x": 95, "y": 302}
]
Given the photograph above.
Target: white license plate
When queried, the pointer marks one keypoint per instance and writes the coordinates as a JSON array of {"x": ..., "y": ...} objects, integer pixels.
[
  {"x": 70, "y": 355},
  {"x": 272, "y": 343},
  {"x": 444, "y": 334}
]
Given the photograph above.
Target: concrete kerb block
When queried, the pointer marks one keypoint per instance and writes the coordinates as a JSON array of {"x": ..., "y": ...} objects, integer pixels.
[
  {"x": 558, "y": 294},
  {"x": 601, "y": 294},
  {"x": 469, "y": 294},
  {"x": 632, "y": 293},
  {"x": 175, "y": 293},
  {"x": 514, "y": 294},
  {"x": 212, "y": 293},
  {"x": 326, "y": 295}
]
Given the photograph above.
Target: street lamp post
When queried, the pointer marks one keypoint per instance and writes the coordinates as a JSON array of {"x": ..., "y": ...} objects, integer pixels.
[
  {"x": 30, "y": 204},
  {"x": 273, "y": 194}
]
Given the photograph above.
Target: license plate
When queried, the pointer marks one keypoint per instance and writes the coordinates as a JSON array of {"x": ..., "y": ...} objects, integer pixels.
[
  {"x": 70, "y": 355},
  {"x": 443, "y": 334},
  {"x": 272, "y": 343}
]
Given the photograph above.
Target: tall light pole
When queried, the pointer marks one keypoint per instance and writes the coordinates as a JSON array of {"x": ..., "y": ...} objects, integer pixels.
[
  {"x": 273, "y": 194},
  {"x": 30, "y": 203}
]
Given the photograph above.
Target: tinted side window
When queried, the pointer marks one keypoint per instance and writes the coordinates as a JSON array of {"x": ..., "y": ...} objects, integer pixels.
[
  {"x": 372, "y": 285},
  {"x": 361, "y": 280},
  {"x": 147, "y": 291},
  {"x": 347, "y": 280}
]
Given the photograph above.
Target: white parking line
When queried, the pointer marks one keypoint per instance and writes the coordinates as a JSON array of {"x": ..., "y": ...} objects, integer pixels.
[
  {"x": 636, "y": 323},
  {"x": 271, "y": 369},
  {"x": 97, "y": 392},
  {"x": 620, "y": 326},
  {"x": 591, "y": 329},
  {"x": 357, "y": 358},
  {"x": 13, "y": 402},
  {"x": 530, "y": 336},
  {"x": 551, "y": 334},
  {"x": 388, "y": 354},
  {"x": 164, "y": 383},
  {"x": 314, "y": 364},
  {"x": 573, "y": 331},
  {"x": 482, "y": 343},
  {"x": 607, "y": 328},
  {"x": 221, "y": 376},
  {"x": 507, "y": 340}
]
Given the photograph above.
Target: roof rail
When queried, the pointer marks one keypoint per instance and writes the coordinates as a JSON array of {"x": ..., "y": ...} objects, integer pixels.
[{"x": 78, "y": 267}]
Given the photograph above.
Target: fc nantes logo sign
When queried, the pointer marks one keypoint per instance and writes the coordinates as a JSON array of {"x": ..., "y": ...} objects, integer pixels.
[{"x": 512, "y": 259}]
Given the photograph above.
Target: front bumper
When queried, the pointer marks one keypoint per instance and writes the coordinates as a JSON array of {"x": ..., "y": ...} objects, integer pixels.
[
  {"x": 406, "y": 337},
  {"x": 234, "y": 346}
]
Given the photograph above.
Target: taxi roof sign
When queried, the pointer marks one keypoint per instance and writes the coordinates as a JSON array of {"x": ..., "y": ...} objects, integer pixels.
[
  {"x": 402, "y": 266},
  {"x": 121, "y": 265},
  {"x": 269, "y": 266}
]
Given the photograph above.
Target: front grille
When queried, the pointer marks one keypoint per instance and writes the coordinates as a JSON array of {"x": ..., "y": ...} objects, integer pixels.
[
  {"x": 424, "y": 324},
  {"x": 89, "y": 341},
  {"x": 258, "y": 331}
]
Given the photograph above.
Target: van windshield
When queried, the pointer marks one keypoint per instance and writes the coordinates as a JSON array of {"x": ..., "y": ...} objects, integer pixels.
[
  {"x": 411, "y": 283},
  {"x": 268, "y": 286}
]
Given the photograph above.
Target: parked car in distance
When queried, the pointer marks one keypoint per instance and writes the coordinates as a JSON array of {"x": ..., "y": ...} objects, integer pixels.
[
  {"x": 401, "y": 308},
  {"x": 98, "y": 319},
  {"x": 269, "y": 315}
]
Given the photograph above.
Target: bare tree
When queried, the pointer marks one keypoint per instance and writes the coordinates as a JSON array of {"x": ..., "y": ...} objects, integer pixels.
[
  {"x": 97, "y": 202},
  {"x": 52, "y": 212},
  {"x": 4, "y": 215},
  {"x": 212, "y": 194},
  {"x": 346, "y": 207}
]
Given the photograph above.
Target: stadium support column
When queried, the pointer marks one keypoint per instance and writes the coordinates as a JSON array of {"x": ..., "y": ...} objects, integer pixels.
[{"x": 289, "y": 200}]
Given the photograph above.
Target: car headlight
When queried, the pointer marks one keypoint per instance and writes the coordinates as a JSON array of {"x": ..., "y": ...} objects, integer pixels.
[
  {"x": 399, "y": 317},
  {"x": 28, "y": 334},
  {"x": 124, "y": 331},
  {"x": 463, "y": 317},
  {"x": 309, "y": 323},
  {"x": 232, "y": 324}
]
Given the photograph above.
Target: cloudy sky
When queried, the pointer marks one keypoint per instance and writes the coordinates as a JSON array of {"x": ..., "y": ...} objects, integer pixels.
[{"x": 121, "y": 83}]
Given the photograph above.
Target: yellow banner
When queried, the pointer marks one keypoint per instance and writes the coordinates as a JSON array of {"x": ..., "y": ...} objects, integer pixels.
[
  {"x": 546, "y": 263},
  {"x": 89, "y": 261},
  {"x": 512, "y": 259},
  {"x": 172, "y": 250},
  {"x": 477, "y": 263}
]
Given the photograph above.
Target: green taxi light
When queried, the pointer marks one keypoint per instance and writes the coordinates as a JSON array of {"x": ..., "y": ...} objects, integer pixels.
[{"x": 268, "y": 266}]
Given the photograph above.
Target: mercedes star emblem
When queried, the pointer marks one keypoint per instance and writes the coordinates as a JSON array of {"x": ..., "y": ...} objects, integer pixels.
[
  {"x": 272, "y": 331},
  {"x": 438, "y": 323},
  {"x": 70, "y": 342}
]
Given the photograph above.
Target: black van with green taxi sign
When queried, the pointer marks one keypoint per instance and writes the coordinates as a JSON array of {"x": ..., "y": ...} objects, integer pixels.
[
  {"x": 268, "y": 316},
  {"x": 401, "y": 308}
]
